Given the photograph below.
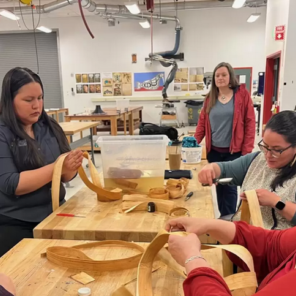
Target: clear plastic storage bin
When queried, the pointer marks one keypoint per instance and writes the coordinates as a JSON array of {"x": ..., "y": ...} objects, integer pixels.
[{"x": 133, "y": 163}]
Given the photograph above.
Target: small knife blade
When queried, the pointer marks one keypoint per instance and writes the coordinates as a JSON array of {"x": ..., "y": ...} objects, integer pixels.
[{"x": 220, "y": 181}]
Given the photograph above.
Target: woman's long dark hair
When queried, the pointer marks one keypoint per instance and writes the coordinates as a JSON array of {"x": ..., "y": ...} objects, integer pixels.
[
  {"x": 284, "y": 123},
  {"x": 12, "y": 82}
]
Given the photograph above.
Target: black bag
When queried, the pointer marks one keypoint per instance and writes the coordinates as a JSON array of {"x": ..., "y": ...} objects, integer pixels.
[{"x": 153, "y": 129}]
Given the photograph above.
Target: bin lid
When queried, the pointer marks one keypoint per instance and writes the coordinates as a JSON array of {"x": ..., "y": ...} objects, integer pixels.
[{"x": 139, "y": 139}]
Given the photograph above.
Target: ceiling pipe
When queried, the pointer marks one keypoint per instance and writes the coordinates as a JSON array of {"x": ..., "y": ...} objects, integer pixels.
[
  {"x": 91, "y": 6},
  {"x": 46, "y": 8},
  {"x": 57, "y": 5},
  {"x": 106, "y": 8},
  {"x": 118, "y": 11},
  {"x": 194, "y": 5},
  {"x": 121, "y": 9}
]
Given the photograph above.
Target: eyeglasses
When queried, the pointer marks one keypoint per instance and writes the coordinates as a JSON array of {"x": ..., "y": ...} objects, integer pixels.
[{"x": 274, "y": 152}]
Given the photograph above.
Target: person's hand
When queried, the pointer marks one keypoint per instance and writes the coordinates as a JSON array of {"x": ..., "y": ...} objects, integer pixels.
[
  {"x": 7, "y": 284},
  {"x": 206, "y": 175},
  {"x": 182, "y": 248},
  {"x": 72, "y": 161},
  {"x": 265, "y": 198},
  {"x": 191, "y": 225}
]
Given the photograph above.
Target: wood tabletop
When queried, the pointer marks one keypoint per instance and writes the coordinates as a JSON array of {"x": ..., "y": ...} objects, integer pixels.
[
  {"x": 36, "y": 276},
  {"x": 57, "y": 111},
  {"x": 109, "y": 112},
  {"x": 104, "y": 220},
  {"x": 73, "y": 127}
]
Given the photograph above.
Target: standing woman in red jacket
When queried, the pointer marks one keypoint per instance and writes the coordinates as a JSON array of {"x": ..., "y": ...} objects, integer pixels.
[{"x": 227, "y": 120}]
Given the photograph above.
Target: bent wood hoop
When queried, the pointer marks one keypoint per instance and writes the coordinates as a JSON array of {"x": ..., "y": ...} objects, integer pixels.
[
  {"x": 250, "y": 209},
  {"x": 72, "y": 257},
  {"x": 244, "y": 283},
  {"x": 102, "y": 194}
]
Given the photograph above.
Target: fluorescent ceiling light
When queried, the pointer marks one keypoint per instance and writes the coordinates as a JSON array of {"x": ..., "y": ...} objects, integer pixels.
[
  {"x": 9, "y": 15},
  {"x": 44, "y": 29},
  {"x": 133, "y": 7},
  {"x": 145, "y": 24},
  {"x": 253, "y": 17},
  {"x": 238, "y": 3}
]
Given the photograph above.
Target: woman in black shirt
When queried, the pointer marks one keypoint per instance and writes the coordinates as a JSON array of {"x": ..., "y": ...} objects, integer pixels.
[{"x": 30, "y": 143}]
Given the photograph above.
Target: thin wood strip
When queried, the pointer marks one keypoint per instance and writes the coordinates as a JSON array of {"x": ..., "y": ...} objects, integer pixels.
[
  {"x": 159, "y": 193},
  {"x": 144, "y": 286},
  {"x": 176, "y": 192},
  {"x": 237, "y": 250},
  {"x": 74, "y": 258},
  {"x": 160, "y": 206},
  {"x": 176, "y": 183},
  {"x": 251, "y": 209},
  {"x": 167, "y": 258},
  {"x": 139, "y": 202},
  {"x": 102, "y": 194}
]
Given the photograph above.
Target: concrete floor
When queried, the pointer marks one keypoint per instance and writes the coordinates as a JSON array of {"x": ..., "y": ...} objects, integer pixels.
[{"x": 77, "y": 184}]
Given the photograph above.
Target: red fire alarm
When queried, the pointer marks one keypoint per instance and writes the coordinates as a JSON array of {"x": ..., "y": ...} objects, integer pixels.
[
  {"x": 280, "y": 36},
  {"x": 280, "y": 33},
  {"x": 150, "y": 5}
]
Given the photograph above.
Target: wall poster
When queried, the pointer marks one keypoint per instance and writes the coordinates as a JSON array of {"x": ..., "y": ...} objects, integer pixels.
[{"x": 149, "y": 81}]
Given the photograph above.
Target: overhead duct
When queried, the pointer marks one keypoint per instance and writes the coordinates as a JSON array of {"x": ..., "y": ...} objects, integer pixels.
[
  {"x": 192, "y": 5},
  {"x": 171, "y": 53},
  {"x": 46, "y": 8},
  {"x": 141, "y": 17},
  {"x": 122, "y": 10}
]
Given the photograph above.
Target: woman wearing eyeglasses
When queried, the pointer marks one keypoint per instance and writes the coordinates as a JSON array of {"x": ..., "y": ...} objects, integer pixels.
[{"x": 272, "y": 173}]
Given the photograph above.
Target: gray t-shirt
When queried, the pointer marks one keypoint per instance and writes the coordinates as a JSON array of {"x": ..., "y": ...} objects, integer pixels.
[{"x": 221, "y": 118}]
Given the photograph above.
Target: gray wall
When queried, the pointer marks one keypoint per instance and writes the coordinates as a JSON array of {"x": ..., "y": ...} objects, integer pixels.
[{"x": 18, "y": 50}]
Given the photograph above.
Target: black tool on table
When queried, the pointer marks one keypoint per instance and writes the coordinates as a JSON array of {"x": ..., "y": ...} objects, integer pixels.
[
  {"x": 151, "y": 207},
  {"x": 222, "y": 181},
  {"x": 188, "y": 196},
  {"x": 177, "y": 174}
]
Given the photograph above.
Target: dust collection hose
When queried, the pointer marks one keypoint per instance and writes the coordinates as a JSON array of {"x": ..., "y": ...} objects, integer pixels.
[
  {"x": 169, "y": 80},
  {"x": 84, "y": 20}
]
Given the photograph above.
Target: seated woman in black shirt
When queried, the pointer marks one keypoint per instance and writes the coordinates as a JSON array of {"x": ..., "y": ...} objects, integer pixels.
[{"x": 30, "y": 143}]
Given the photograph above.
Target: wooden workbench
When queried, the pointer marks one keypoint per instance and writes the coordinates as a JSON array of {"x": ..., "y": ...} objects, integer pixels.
[
  {"x": 113, "y": 116},
  {"x": 104, "y": 220},
  {"x": 36, "y": 276},
  {"x": 56, "y": 112},
  {"x": 71, "y": 128}
]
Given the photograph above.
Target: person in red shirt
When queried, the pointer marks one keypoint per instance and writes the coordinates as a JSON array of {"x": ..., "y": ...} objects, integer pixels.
[
  {"x": 273, "y": 251},
  {"x": 227, "y": 120}
]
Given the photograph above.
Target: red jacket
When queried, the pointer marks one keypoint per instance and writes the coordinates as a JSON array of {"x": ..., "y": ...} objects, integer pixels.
[
  {"x": 271, "y": 250},
  {"x": 244, "y": 124}
]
